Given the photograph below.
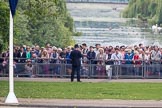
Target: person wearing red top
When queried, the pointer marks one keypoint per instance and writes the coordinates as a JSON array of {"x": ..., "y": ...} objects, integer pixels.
[{"x": 136, "y": 62}]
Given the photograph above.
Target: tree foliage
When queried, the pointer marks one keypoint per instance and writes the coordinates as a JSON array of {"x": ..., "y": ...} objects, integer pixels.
[
  {"x": 148, "y": 10},
  {"x": 38, "y": 22},
  {"x": 4, "y": 24}
]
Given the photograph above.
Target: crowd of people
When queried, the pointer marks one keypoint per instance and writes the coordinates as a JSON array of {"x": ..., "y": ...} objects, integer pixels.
[{"x": 100, "y": 55}]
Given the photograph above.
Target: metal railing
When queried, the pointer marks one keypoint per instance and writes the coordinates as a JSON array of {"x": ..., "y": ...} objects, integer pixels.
[{"x": 89, "y": 69}]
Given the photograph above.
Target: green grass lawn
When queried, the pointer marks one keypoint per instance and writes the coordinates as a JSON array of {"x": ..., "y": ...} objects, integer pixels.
[{"x": 62, "y": 90}]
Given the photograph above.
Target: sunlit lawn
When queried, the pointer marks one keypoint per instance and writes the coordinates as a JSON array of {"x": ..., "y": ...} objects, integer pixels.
[{"x": 62, "y": 90}]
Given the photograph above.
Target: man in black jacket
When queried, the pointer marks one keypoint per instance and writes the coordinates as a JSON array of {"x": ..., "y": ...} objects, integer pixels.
[
  {"x": 21, "y": 56},
  {"x": 91, "y": 55},
  {"x": 75, "y": 57}
]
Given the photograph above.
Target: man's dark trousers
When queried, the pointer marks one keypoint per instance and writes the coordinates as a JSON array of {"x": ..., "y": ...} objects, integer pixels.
[{"x": 75, "y": 69}]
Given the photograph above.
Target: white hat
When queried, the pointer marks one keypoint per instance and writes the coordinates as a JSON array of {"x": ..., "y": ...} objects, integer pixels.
[
  {"x": 54, "y": 48},
  {"x": 59, "y": 49},
  {"x": 24, "y": 46},
  {"x": 127, "y": 49}
]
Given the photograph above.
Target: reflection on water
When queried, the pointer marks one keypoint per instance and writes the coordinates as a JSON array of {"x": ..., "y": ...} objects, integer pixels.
[{"x": 100, "y": 23}]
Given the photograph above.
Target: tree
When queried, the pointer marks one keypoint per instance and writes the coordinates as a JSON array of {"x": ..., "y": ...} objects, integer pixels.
[
  {"x": 150, "y": 10},
  {"x": 38, "y": 22},
  {"x": 159, "y": 12},
  {"x": 4, "y": 25}
]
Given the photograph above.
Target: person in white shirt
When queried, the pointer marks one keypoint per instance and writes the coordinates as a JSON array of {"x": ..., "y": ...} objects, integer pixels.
[
  {"x": 97, "y": 48},
  {"x": 116, "y": 57},
  {"x": 147, "y": 62},
  {"x": 155, "y": 58},
  {"x": 147, "y": 57}
]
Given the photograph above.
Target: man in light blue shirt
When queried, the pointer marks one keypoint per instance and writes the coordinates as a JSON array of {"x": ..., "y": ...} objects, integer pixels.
[{"x": 116, "y": 57}]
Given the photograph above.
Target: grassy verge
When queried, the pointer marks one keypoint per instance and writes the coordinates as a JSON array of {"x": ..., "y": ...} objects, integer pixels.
[{"x": 62, "y": 90}]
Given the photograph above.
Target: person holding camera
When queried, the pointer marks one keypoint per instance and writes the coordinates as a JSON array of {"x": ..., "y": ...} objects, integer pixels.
[{"x": 29, "y": 68}]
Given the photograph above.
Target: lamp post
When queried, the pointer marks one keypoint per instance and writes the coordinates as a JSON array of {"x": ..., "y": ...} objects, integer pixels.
[{"x": 11, "y": 98}]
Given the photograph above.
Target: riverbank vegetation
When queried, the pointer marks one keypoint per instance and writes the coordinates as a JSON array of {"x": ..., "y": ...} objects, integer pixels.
[
  {"x": 146, "y": 10},
  {"x": 37, "y": 22}
]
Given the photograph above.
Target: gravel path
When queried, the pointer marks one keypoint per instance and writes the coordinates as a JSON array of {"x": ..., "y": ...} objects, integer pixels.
[{"x": 83, "y": 80}]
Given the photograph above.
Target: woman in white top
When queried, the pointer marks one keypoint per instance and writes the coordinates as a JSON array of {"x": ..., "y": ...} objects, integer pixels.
[{"x": 147, "y": 57}]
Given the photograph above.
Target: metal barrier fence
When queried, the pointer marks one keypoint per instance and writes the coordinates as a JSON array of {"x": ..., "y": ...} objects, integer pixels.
[{"x": 89, "y": 69}]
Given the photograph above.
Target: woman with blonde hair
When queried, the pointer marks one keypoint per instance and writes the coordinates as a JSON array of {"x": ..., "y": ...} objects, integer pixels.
[
  {"x": 45, "y": 58},
  {"x": 101, "y": 57},
  {"x": 137, "y": 63}
]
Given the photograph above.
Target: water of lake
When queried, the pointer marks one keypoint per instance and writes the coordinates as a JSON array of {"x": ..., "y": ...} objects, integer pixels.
[{"x": 101, "y": 23}]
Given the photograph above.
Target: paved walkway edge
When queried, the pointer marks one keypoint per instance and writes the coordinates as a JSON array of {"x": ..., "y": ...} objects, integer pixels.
[{"x": 104, "y": 103}]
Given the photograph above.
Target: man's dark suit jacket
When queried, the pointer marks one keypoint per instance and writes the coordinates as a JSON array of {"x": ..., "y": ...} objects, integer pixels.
[
  {"x": 75, "y": 56},
  {"x": 22, "y": 57}
]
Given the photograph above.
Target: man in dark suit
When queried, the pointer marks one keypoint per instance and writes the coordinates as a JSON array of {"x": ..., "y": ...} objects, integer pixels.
[
  {"x": 75, "y": 57},
  {"x": 21, "y": 56}
]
